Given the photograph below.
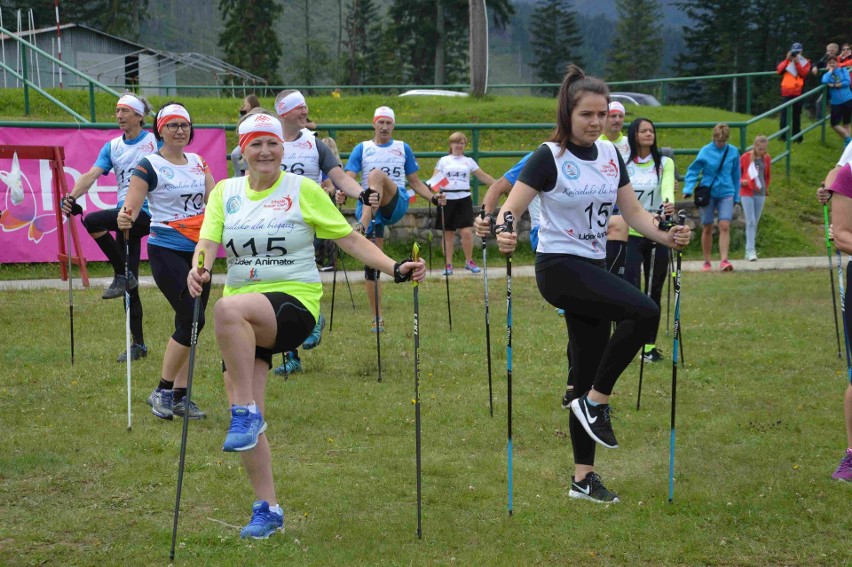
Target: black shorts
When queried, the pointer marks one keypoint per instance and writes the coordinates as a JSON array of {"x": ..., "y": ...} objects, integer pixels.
[
  {"x": 841, "y": 113},
  {"x": 458, "y": 214},
  {"x": 295, "y": 323}
]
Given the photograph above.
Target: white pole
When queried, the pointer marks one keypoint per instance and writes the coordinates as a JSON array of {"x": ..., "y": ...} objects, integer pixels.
[
  {"x": 3, "y": 49},
  {"x": 18, "y": 66},
  {"x": 53, "y": 63},
  {"x": 33, "y": 39},
  {"x": 58, "y": 40}
]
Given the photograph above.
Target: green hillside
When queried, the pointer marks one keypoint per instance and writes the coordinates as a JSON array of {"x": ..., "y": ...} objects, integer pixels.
[{"x": 791, "y": 224}]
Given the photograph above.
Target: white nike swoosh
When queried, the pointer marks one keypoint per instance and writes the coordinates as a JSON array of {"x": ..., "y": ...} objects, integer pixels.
[
  {"x": 585, "y": 491},
  {"x": 588, "y": 417}
]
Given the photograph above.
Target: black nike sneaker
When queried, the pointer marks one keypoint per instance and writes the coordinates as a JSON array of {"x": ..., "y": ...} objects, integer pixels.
[
  {"x": 595, "y": 420},
  {"x": 592, "y": 488}
]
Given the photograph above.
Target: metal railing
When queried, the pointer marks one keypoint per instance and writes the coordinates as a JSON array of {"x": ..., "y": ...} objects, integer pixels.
[
  {"x": 30, "y": 50},
  {"x": 478, "y": 153}
]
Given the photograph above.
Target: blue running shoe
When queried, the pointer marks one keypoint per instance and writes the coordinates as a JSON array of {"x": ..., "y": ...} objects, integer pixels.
[
  {"x": 291, "y": 365},
  {"x": 264, "y": 522},
  {"x": 244, "y": 430},
  {"x": 471, "y": 265},
  {"x": 315, "y": 338},
  {"x": 560, "y": 312}
]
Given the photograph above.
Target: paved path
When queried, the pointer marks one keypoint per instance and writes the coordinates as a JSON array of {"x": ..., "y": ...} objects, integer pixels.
[{"x": 799, "y": 263}]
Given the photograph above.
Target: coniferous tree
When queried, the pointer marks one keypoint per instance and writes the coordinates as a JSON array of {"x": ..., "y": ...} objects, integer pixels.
[
  {"x": 555, "y": 40},
  {"x": 637, "y": 49},
  {"x": 363, "y": 33},
  {"x": 250, "y": 39},
  {"x": 717, "y": 41}
]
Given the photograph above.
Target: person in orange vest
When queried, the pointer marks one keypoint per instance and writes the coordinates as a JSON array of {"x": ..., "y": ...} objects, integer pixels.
[{"x": 793, "y": 70}]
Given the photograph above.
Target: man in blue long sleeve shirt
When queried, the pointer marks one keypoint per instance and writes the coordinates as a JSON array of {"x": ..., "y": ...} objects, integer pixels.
[{"x": 723, "y": 178}]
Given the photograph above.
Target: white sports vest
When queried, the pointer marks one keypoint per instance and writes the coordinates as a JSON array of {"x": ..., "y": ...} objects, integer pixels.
[
  {"x": 457, "y": 170},
  {"x": 125, "y": 157},
  {"x": 575, "y": 213},
  {"x": 302, "y": 158},
  {"x": 390, "y": 159},
  {"x": 180, "y": 189},
  {"x": 267, "y": 240},
  {"x": 646, "y": 184}
]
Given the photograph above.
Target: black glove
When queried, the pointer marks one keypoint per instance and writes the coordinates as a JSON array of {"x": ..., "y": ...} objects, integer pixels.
[
  {"x": 364, "y": 197},
  {"x": 398, "y": 277},
  {"x": 75, "y": 208},
  {"x": 435, "y": 200}
]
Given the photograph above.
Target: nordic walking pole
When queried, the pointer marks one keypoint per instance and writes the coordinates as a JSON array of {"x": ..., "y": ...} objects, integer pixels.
[
  {"x": 333, "y": 291},
  {"x": 831, "y": 278},
  {"x": 127, "y": 342},
  {"x": 447, "y": 260},
  {"x": 429, "y": 237},
  {"x": 648, "y": 288},
  {"x": 415, "y": 256},
  {"x": 487, "y": 316},
  {"x": 843, "y": 312},
  {"x": 509, "y": 221},
  {"x": 193, "y": 341},
  {"x": 376, "y": 290},
  {"x": 70, "y": 287},
  {"x": 346, "y": 277},
  {"x": 681, "y": 218}
]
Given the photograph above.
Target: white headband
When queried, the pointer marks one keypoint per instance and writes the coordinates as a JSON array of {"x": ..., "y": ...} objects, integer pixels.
[
  {"x": 257, "y": 125},
  {"x": 289, "y": 103},
  {"x": 616, "y": 106},
  {"x": 384, "y": 112},
  {"x": 171, "y": 112},
  {"x": 132, "y": 103}
]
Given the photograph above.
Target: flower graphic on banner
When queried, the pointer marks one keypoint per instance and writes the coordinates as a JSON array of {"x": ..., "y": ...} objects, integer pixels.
[{"x": 24, "y": 215}]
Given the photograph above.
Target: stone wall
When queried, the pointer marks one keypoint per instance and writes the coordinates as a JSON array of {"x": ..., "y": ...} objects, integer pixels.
[{"x": 416, "y": 223}]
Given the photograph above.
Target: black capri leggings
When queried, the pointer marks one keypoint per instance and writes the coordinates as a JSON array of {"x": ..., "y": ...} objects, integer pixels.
[
  {"x": 170, "y": 268},
  {"x": 639, "y": 261},
  {"x": 592, "y": 298}
]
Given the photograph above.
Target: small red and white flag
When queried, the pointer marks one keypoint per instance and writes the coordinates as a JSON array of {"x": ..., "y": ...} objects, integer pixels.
[{"x": 438, "y": 182}]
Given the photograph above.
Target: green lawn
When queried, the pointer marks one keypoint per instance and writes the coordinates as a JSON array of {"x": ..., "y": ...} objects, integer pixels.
[{"x": 759, "y": 433}]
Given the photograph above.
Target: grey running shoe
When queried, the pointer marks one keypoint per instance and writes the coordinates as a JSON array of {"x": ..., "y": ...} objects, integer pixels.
[
  {"x": 591, "y": 488},
  {"x": 116, "y": 288},
  {"x": 653, "y": 355},
  {"x": 136, "y": 352},
  {"x": 161, "y": 403},
  {"x": 194, "y": 412}
]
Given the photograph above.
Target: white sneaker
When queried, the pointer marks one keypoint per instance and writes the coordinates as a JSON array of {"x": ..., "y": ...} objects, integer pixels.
[{"x": 752, "y": 257}]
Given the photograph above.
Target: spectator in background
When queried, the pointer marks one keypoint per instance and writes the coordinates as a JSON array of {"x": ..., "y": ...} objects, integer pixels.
[
  {"x": 754, "y": 187},
  {"x": 249, "y": 102},
  {"x": 718, "y": 166},
  {"x": 845, "y": 57},
  {"x": 830, "y": 51},
  {"x": 840, "y": 97},
  {"x": 458, "y": 212},
  {"x": 793, "y": 70}
]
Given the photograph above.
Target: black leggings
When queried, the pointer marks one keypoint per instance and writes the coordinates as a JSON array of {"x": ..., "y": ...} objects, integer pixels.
[
  {"x": 170, "y": 268},
  {"x": 639, "y": 260},
  {"x": 113, "y": 249},
  {"x": 592, "y": 298}
]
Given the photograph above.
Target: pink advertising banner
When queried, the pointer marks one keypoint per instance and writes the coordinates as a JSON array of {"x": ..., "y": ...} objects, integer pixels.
[{"x": 28, "y": 229}]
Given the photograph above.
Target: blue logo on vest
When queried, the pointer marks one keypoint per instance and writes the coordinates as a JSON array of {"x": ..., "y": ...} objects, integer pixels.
[
  {"x": 370, "y": 151},
  {"x": 570, "y": 170},
  {"x": 233, "y": 205},
  {"x": 167, "y": 172}
]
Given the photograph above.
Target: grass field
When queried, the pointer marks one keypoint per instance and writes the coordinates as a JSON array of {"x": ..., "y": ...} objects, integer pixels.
[{"x": 759, "y": 433}]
